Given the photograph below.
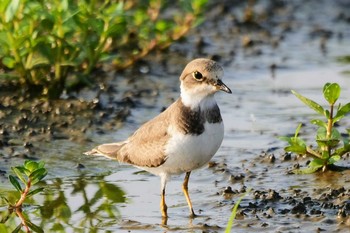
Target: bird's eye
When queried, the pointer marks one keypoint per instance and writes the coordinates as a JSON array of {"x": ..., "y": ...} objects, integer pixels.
[{"x": 197, "y": 75}]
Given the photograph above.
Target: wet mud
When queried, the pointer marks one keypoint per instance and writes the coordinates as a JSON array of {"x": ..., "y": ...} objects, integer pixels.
[{"x": 267, "y": 48}]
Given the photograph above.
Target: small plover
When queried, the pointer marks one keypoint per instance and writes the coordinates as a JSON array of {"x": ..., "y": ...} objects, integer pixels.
[{"x": 182, "y": 138}]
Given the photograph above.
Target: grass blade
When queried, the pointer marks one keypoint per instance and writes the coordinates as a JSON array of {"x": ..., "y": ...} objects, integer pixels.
[{"x": 234, "y": 212}]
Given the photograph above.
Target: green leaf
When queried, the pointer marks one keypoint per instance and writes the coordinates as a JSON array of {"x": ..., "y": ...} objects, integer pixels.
[
  {"x": 284, "y": 138},
  {"x": 322, "y": 140},
  {"x": 307, "y": 170},
  {"x": 41, "y": 164},
  {"x": 333, "y": 141},
  {"x": 295, "y": 149},
  {"x": 342, "y": 111},
  {"x": 296, "y": 145},
  {"x": 325, "y": 155},
  {"x": 30, "y": 165},
  {"x": 321, "y": 133},
  {"x": 37, "y": 61},
  {"x": 327, "y": 114},
  {"x": 6, "y": 200},
  {"x": 112, "y": 192},
  {"x": 334, "y": 159},
  {"x": 34, "y": 227},
  {"x": 198, "y": 5},
  {"x": 318, "y": 163},
  {"x": 18, "y": 228},
  {"x": 38, "y": 175},
  {"x": 15, "y": 183},
  {"x": 344, "y": 149},
  {"x": 344, "y": 59},
  {"x": 331, "y": 92},
  {"x": 11, "y": 10},
  {"x": 319, "y": 123},
  {"x": 162, "y": 26},
  {"x": 312, "y": 104},
  {"x": 9, "y": 62},
  {"x": 297, "y": 130},
  {"x": 335, "y": 134},
  {"x": 35, "y": 191},
  {"x": 313, "y": 166},
  {"x": 328, "y": 142},
  {"x": 19, "y": 173}
]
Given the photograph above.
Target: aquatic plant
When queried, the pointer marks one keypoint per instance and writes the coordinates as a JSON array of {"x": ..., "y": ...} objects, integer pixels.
[
  {"x": 29, "y": 174},
  {"x": 45, "y": 43},
  {"x": 331, "y": 144},
  {"x": 96, "y": 206}
]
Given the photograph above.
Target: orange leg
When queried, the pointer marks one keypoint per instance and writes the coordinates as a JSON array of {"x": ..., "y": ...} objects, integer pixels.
[
  {"x": 185, "y": 190},
  {"x": 163, "y": 207}
]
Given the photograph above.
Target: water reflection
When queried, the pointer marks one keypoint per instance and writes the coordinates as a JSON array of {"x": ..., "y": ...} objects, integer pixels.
[{"x": 82, "y": 204}]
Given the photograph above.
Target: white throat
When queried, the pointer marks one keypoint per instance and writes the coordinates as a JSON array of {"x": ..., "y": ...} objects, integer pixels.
[{"x": 195, "y": 100}]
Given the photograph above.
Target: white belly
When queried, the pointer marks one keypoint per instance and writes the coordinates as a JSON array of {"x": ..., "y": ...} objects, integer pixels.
[{"x": 188, "y": 152}]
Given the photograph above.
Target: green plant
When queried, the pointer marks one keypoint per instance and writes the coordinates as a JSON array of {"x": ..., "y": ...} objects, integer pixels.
[
  {"x": 234, "y": 212},
  {"x": 42, "y": 43},
  {"x": 331, "y": 145},
  {"x": 29, "y": 174},
  {"x": 344, "y": 59},
  {"x": 96, "y": 206}
]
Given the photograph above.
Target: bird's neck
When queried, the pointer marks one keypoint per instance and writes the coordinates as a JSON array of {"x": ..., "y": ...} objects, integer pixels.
[{"x": 197, "y": 101}]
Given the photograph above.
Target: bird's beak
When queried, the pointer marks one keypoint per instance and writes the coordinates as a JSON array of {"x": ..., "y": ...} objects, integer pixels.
[{"x": 222, "y": 86}]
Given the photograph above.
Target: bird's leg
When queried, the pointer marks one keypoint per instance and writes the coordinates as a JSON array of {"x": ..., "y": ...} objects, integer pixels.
[
  {"x": 185, "y": 190},
  {"x": 163, "y": 207}
]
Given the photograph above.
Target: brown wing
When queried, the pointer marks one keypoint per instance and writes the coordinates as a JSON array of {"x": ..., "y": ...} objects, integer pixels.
[{"x": 145, "y": 147}]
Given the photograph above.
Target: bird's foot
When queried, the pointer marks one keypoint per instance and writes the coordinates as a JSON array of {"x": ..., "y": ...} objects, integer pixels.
[{"x": 192, "y": 214}]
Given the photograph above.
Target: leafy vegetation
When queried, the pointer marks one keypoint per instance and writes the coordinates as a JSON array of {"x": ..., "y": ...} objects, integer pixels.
[
  {"x": 29, "y": 174},
  {"x": 43, "y": 43},
  {"x": 331, "y": 145},
  {"x": 96, "y": 204}
]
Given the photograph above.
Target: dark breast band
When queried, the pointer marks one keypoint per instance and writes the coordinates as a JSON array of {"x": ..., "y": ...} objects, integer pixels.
[{"x": 191, "y": 121}]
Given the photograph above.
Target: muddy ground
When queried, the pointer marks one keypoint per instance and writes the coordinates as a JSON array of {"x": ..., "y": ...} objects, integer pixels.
[{"x": 267, "y": 48}]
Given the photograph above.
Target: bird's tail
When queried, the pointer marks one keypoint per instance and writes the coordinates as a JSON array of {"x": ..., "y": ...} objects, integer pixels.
[{"x": 109, "y": 150}]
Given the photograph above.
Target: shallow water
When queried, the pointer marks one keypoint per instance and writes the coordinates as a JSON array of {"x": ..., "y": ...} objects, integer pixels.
[{"x": 106, "y": 196}]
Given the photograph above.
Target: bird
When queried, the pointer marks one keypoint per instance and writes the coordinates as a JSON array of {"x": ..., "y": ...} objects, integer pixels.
[{"x": 183, "y": 137}]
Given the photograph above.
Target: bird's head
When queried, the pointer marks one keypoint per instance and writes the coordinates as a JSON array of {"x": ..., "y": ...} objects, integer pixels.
[{"x": 201, "y": 78}]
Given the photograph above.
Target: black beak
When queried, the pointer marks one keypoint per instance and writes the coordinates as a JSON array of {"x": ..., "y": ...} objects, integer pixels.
[{"x": 223, "y": 86}]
